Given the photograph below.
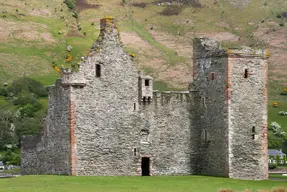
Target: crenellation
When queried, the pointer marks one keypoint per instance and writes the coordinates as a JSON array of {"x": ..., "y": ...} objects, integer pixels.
[{"x": 106, "y": 120}]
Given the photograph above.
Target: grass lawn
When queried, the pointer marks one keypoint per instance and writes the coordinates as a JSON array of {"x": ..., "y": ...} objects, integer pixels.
[{"x": 132, "y": 184}]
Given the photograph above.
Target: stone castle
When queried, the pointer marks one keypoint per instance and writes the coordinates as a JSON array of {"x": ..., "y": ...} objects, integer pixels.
[{"x": 106, "y": 119}]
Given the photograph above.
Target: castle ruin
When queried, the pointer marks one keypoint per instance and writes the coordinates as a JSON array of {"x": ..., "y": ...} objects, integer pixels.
[{"x": 106, "y": 119}]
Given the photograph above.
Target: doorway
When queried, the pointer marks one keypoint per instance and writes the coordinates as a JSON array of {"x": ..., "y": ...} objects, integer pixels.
[{"x": 145, "y": 166}]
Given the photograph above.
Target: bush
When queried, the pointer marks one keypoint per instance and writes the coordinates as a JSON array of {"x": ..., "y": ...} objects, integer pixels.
[
  {"x": 277, "y": 130},
  {"x": 272, "y": 166},
  {"x": 3, "y": 91},
  {"x": 282, "y": 113},
  {"x": 27, "y": 84},
  {"x": 71, "y": 4}
]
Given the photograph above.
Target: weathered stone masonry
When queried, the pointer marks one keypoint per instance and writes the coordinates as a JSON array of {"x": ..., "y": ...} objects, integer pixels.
[{"x": 106, "y": 119}]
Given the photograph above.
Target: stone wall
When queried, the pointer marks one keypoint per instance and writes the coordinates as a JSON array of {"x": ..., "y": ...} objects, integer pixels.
[
  {"x": 114, "y": 128},
  {"x": 48, "y": 153},
  {"x": 210, "y": 64},
  {"x": 248, "y": 114},
  {"x": 171, "y": 132},
  {"x": 105, "y": 118}
]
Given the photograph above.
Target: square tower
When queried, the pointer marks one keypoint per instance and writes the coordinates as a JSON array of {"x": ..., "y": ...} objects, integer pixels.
[{"x": 232, "y": 86}]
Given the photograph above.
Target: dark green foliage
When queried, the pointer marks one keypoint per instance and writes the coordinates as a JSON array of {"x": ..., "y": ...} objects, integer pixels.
[
  {"x": 3, "y": 91},
  {"x": 28, "y": 126},
  {"x": 27, "y": 84},
  {"x": 22, "y": 116},
  {"x": 7, "y": 134},
  {"x": 71, "y": 4},
  {"x": 272, "y": 166},
  {"x": 11, "y": 157}
]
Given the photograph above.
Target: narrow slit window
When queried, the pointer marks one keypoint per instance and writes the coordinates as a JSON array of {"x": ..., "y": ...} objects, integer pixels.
[
  {"x": 253, "y": 133},
  {"x": 135, "y": 106},
  {"x": 98, "y": 70},
  {"x": 246, "y": 73},
  {"x": 146, "y": 82},
  {"x": 205, "y": 136},
  {"x": 135, "y": 151},
  {"x": 212, "y": 76}
]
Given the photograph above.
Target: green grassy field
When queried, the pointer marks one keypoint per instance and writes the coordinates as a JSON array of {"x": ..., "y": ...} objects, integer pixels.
[{"x": 132, "y": 184}]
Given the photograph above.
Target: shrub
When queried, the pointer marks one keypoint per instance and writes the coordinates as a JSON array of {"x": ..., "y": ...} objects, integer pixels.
[
  {"x": 71, "y": 4},
  {"x": 272, "y": 166},
  {"x": 282, "y": 113},
  {"x": 277, "y": 130},
  {"x": 29, "y": 85}
]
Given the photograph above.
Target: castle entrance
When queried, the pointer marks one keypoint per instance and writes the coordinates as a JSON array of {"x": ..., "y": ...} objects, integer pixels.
[{"x": 145, "y": 166}]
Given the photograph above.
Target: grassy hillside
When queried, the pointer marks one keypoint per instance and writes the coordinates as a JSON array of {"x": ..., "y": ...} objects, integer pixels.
[{"x": 35, "y": 33}]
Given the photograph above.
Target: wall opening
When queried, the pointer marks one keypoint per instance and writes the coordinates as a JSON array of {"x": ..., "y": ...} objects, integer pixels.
[
  {"x": 145, "y": 166},
  {"x": 146, "y": 82},
  {"x": 204, "y": 135},
  {"x": 135, "y": 106},
  {"x": 144, "y": 100},
  {"x": 98, "y": 70},
  {"x": 148, "y": 99},
  {"x": 212, "y": 76},
  {"x": 135, "y": 151},
  {"x": 253, "y": 132},
  {"x": 246, "y": 73}
]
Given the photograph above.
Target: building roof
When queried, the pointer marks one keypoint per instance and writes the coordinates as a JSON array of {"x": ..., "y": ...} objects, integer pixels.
[
  {"x": 1, "y": 163},
  {"x": 275, "y": 152}
]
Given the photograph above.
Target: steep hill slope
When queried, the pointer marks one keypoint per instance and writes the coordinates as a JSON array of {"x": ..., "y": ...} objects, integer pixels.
[{"x": 34, "y": 33}]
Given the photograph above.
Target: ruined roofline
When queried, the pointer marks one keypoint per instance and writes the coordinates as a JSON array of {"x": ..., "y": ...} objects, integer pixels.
[{"x": 208, "y": 48}]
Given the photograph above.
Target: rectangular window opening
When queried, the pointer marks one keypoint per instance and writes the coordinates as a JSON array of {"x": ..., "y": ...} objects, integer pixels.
[
  {"x": 212, "y": 76},
  {"x": 146, "y": 82},
  {"x": 144, "y": 100},
  {"x": 246, "y": 73},
  {"x": 205, "y": 136},
  {"x": 135, "y": 151},
  {"x": 98, "y": 70},
  {"x": 135, "y": 106}
]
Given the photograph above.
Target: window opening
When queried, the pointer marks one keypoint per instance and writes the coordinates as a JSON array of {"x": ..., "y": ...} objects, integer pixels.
[
  {"x": 204, "y": 135},
  {"x": 146, "y": 82},
  {"x": 135, "y": 106},
  {"x": 253, "y": 132},
  {"x": 212, "y": 76},
  {"x": 148, "y": 99},
  {"x": 98, "y": 70},
  {"x": 135, "y": 151},
  {"x": 246, "y": 73},
  {"x": 144, "y": 100}
]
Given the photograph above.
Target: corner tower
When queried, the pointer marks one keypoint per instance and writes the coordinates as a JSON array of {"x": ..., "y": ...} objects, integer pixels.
[
  {"x": 246, "y": 95},
  {"x": 232, "y": 85}
]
